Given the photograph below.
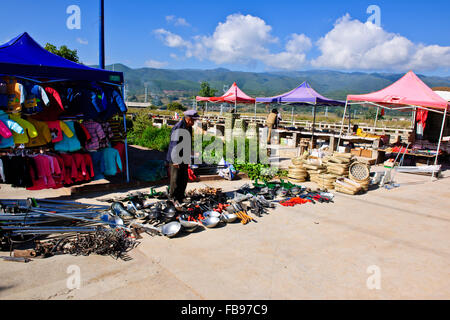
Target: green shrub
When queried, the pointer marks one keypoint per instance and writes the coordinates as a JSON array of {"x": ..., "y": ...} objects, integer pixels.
[{"x": 153, "y": 138}]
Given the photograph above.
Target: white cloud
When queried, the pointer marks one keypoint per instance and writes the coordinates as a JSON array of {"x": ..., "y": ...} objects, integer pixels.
[
  {"x": 155, "y": 64},
  {"x": 352, "y": 44},
  {"x": 170, "y": 39},
  {"x": 82, "y": 41},
  {"x": 177, "y": 21},
  {"x": 241, "y": 39}
]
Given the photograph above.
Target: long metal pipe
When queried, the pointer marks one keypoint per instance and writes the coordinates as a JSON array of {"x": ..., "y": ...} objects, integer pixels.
[
  {"x": 440, "y": 140},
  {"x": 101, "y": 55},
  {"x": 376, "y": 118},
  {"x": 342, "y": 123}
]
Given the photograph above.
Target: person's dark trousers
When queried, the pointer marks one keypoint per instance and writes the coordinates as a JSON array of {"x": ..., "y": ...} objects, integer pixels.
[{"x": 178, "y": 181}]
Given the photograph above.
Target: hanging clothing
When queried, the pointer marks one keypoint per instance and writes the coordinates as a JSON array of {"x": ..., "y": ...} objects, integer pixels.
[
  {"x": 421, "y": 119},
  {"x": 70, "y": 167},
  {"x": 53, "y": 109},
  {"x": 84, "y": 101},
  {"x": 112, "y": 160},
  {"x": 96, "y": 132},
  {"x": 115, "y": 103},
  {"x": 17, "y": 171},
  {"x": 29, "y": 130},
  {"x": 15, "y": 94},
  {"x": 68, "y": 144},
  {"x": 59, "y": 179},
  {"x": 45, "y": 170},
  {"x": 81, "y": 167},
  {"x": 56, "y": 130},
  {"x": 35, "y": 98},
  {"x": 99, "y": 165},
  {"x": 89, "y": 166},
  {"x": 3, "y": 95},
  {"x": 82, "y": 133},
  {"x": 4, "y": 130},
  {"x": 43, "y": 138},
  {"x": 2, "y": 172},
  {"x": 105, "y": 142},
  {"x": 120, "y": 147},
  {"x": 12, "y": 126},
  {"x": 117, "y": 130}
]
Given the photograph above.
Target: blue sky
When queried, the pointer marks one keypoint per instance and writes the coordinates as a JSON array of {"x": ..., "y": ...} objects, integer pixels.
[{"x": 246, "y": 35}]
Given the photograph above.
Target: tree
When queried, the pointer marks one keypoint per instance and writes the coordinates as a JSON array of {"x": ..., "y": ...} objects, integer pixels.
[
  {"x": 176, "y": 106},
  {"x": 206, "y": 90},
  {"x": 64, "y": 52},
  {"x": 371, "y": 113}
]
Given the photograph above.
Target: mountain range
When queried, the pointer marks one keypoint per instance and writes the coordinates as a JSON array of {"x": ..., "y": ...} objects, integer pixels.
[{"x": 185, "y": 83}]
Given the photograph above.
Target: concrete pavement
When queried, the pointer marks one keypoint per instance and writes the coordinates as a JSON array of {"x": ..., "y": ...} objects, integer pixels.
[{"x": 324, "y": 251}]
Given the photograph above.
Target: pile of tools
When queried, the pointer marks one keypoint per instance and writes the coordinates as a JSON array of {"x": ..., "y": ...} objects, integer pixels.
[{"x": 58, "y": 227}]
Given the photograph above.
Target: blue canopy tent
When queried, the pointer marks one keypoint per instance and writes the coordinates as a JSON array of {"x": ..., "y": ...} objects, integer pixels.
[
  {"x": 301, "y": 96},
  {"x": 24, "y": 58}
]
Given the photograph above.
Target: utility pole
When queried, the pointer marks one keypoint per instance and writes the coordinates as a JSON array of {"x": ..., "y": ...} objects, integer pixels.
[
  {"x": 145, "y": 93},
  {"x": 101, "y": 55}
]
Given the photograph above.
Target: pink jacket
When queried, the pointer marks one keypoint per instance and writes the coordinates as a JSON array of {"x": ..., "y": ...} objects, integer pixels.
[{"x": 4, "y": 131}]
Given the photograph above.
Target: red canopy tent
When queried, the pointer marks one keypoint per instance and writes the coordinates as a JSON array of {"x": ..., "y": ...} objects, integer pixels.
[
  {"x": 233, "y": 95},
  {"x": 409, "y": 92}
]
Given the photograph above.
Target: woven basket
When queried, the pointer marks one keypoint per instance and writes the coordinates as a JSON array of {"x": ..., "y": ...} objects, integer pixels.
[
  {"x": 359, "y": 171},
  {"x": 297, "y": 161}
]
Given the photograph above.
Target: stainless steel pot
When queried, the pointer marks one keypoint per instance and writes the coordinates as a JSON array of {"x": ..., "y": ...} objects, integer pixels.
[{"x": 211, "y": 222}]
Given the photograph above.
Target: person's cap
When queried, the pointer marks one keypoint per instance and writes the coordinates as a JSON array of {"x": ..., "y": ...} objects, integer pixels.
[{"x": 192, "y": 114}]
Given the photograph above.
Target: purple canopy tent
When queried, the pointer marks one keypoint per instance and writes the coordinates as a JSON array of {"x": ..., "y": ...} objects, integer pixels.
[{"x": 300, "y": 96}]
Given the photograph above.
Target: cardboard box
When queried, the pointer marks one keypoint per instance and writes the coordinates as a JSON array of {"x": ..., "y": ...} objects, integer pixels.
[
  {"x": 366, "y": 153},
  {"x": 356, "y": 152}
]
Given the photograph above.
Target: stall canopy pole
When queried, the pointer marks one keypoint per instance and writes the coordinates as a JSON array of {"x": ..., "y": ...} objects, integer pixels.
[
  {"x": 413, "y": 120},
  {"x": 235, "y": 100},
  {"x": 102, "y": 35},
  {"x": 292, "y": 115},
  {"x": 126, "y": 139},
  {"x": 342, "y": 123},
  {"x": 376, "y": 118},
  {"x": 255, "y": 110},
  {"x": 313, "y": 125},
  {"x": 440, "y": 139},
  {"x": 349, "y": 119}
]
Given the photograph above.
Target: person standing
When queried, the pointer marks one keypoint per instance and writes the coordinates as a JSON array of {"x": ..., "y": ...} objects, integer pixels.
[
  {"x": 271, "y": 123},
  {"x": 179, "y": 156}
]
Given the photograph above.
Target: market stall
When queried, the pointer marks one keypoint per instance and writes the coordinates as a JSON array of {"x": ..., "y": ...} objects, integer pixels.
[
  {"x": 57, "y": 119},
  {"x": 408, "y": 93},
  {"x": 303, "y": 95},
  {"x": 233, "y": 95}
]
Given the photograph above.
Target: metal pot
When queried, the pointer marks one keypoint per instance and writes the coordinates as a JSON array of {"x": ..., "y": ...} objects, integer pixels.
[
  {"x": 211, "y": 214},
  {"x": 228, "y": 217},
  {"x": 171, "y": 229},
  {"x": 119, "y": 210},
  {"x": 188, "y": 224},
  {"x": 211, "y": 222}
]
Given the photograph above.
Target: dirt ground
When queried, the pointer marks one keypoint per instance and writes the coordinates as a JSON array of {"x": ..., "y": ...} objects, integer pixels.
[{"x": 386, "y": 244}]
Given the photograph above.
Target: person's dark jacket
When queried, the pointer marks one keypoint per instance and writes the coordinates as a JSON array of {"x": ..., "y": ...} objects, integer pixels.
[{"x": 180, "y": 125}]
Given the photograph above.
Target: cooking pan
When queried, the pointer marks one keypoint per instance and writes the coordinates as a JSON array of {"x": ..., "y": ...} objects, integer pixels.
[
  {"x": 211, "y": 222},
  {"x": 228, "y": 217},
  {"x": 211, "y": 213}
]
